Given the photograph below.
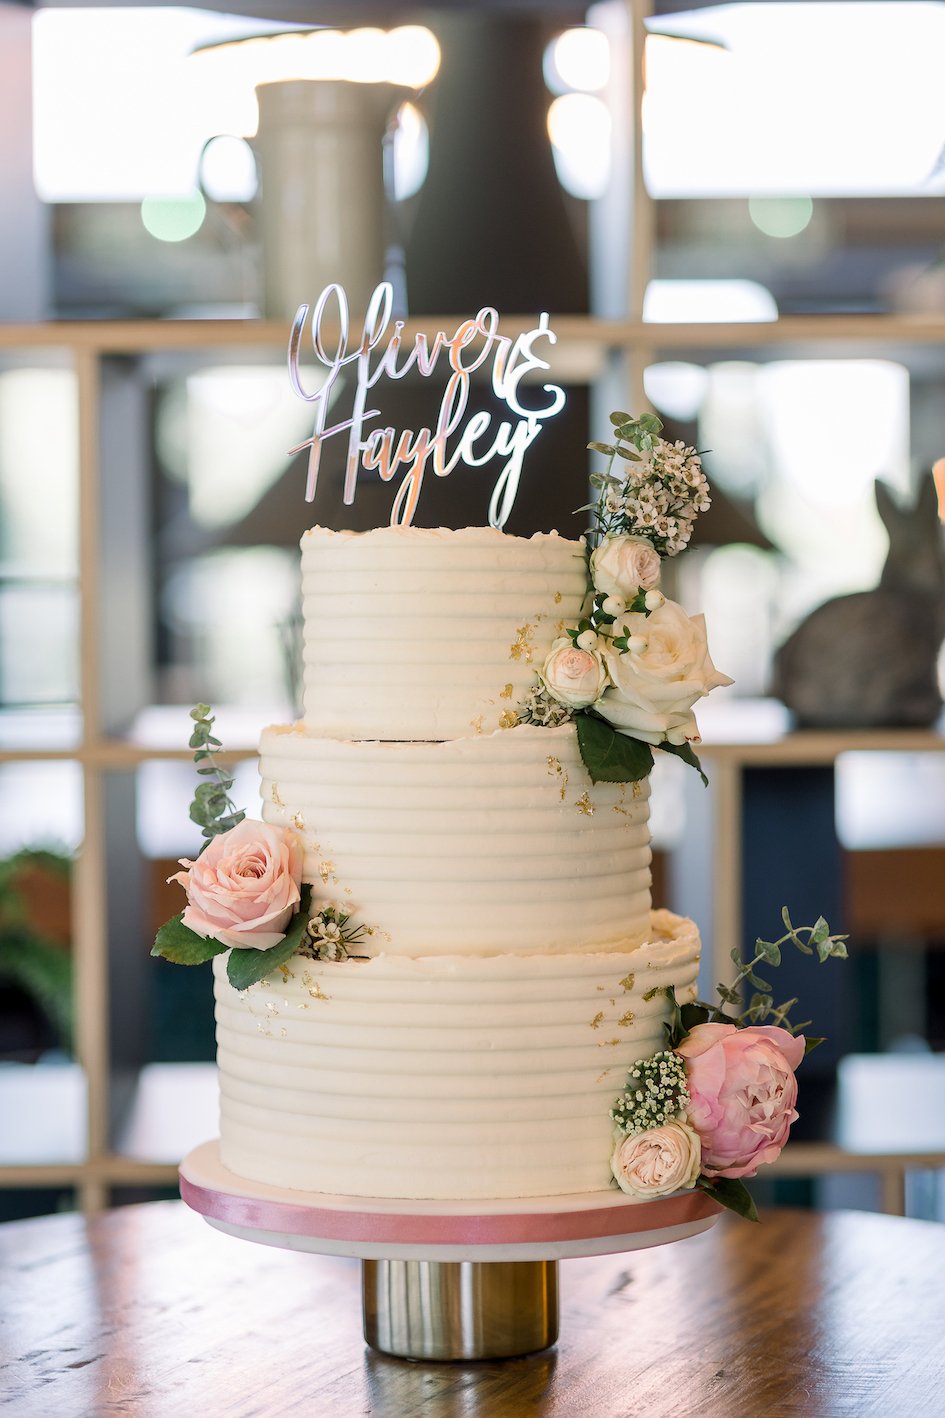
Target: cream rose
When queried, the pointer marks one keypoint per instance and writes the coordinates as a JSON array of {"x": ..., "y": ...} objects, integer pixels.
[
  {"x": 622, "y": 566},
  {"x": 573, "y": 676},
  {"x": 245, "y": 886},
  {"x": 657, "y": 681},
  {"x": 654, "y": 1163}
]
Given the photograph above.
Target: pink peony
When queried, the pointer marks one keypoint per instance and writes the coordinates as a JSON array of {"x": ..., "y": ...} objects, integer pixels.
[
  {"x": 742, "y": 1094},
  {"x": 244, "y": 887}
]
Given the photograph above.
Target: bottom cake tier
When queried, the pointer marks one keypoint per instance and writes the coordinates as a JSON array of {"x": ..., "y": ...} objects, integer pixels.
[{"x": 441, "y": 1077}]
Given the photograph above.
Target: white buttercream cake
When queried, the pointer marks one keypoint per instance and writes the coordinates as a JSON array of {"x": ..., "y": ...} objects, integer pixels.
[{"x": 511, "y": 969}]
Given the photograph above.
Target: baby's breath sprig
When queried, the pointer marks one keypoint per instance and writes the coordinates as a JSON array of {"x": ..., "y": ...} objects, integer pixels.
[
  {"x": 656, "y": 1094},
  {"x": 211, "y": 808},
  {"x": 660, "y": 493},
  {"x": 327, "y": 936}
]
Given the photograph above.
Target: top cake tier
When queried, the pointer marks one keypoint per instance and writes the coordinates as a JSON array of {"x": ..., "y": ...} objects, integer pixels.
[{"x": 412, "y": 633}]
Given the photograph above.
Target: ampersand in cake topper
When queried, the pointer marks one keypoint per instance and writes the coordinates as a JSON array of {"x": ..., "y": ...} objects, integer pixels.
[{"x": 408, "y": 453}]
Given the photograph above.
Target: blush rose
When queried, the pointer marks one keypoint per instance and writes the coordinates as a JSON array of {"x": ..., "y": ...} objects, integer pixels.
[
  {"x": 573, "y": 676},
  {"x": 245, "y": 886},
  {"x": 742, "y": 1093},
  {"x": 622, "y": 566},
  {"x": 656, "y": 1162},
  {"x": 657, "y": 681}
]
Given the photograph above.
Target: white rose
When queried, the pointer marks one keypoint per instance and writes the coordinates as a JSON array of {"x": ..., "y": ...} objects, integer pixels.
[
  {"x": 572, "y": 676},
  {"x": 654, "y": 687},
  {"x": 622, "y": 566},
  {"x": 654, "y": 1163}
]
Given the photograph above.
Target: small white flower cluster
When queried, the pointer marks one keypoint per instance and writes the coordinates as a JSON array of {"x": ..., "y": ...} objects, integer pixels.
[
  {"x": 656, "y": 1094},
  {"x": 326, "y": 936},
  {"x": 659, "y": 498},
  {"x": 539, "y": 707}
]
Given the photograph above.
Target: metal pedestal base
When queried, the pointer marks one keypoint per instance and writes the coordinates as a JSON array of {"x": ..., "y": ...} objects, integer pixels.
[{"x": 449, "y": 1310}]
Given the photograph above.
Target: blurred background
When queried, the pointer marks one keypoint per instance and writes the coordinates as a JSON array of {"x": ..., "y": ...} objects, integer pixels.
[{"x": 733, "y": 214}]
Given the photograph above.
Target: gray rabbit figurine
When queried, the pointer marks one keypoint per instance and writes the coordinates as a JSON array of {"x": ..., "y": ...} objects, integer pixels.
[{"x": 868, "y": 660}]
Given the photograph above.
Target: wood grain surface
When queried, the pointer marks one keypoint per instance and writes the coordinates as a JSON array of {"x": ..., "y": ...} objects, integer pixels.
[{"x": 148, "y": 1312}]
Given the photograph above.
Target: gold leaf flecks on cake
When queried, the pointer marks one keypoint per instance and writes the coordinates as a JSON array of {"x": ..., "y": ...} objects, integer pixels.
[
  {"x": 557, "y": 598},
  {"x": 601, "y": 1076},
  {"x": 598, "y": 1020},
  {"x": 636, "y": 789},
  {"x": 326, "y": 870},
  {"x": 283, "y": 1032},
  {"x": 508, "y": 719},
  {"x": 298, "y": 822},
  {"x": 275, "y": 796},
  {"x": 264, "y": 1030},
  {"x": 627, "y": 1019},
  {"x": 286, "y": 974},
  {"x": 627, "y": 982},
  {"x": 476, "y": 724},
  {"x": 313, "y": 987},
  {"x": 606, "y": 1043},
  {"x": 507, "y": 692},
  {"x": 584, "y": 805},
  {"x": 522, "y": 648},
  {"x": 600, "y": 989},
  {"x": 555, "y": 769},
  {"x": 560, "y": 628},
  {"x": 271, "y": 1007}
]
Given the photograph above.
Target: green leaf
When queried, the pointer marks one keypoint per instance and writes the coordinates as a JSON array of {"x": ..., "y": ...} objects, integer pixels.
[
  {"x": 610, "y": 757},
  {"x": 769, "y": 951},
  {"x": 246, "y": 966},
  {"x": 820, "y": 931},
  {"x": 693, "y": 1014},
  {"x": 758, "y": 982},
  {"x": 619, "y": 418},
  {"x": 833, "y": 946},
  {"x": 811, "y": 1044},
  {"x": 606, "y": 448},
  {"x": 178, "y": 943},
  {"x": 730, "y": 1192},
  {"x": 685, "y": 752}
]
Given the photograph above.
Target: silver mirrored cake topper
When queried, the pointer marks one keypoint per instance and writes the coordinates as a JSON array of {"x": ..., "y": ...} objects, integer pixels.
[{"x": 475, "y": 439}]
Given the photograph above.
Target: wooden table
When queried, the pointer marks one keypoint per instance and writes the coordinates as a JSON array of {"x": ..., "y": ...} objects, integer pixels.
[{"x": 148, "y": 1312}]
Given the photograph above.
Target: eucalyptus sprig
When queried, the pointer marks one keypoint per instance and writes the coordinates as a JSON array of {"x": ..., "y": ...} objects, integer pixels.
[
  {"x": 211, "y": 809},
  {"x": 761, "y": 1008}
]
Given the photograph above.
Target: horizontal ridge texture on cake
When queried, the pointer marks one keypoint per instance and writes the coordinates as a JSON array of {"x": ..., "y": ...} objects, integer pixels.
[
  {"x": 423, "y": 633},
  {"x": 477, "y": 846},
  {"x": 441, "y": 1077}
]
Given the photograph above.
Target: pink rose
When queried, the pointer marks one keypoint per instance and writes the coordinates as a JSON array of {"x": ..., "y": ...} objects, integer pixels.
[
  {"x": 573, "y": 676},
  {"x": 742, "y": 1093},
  {"x": 244, "y": 887}
]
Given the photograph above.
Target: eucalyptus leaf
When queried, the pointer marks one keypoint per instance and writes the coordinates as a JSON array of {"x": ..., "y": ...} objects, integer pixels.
[
  {"x": 610, "y": 757},
  {"x": 619, "y": 418},
  {"x": 606, "y": 448},
  {"x": 178, "y": 943}
]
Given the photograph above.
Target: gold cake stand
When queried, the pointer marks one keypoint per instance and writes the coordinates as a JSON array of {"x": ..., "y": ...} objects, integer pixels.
[{"x": 444, "y": 1280}]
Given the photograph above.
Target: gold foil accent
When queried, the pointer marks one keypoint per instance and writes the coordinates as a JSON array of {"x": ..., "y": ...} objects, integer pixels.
[
  {"x": 325, "y": 870},
  {"x": 560, "y": 628},
  {"x": 298, "y": 822},
  {"x": 286, "y": 974},
  {"x": 506, "y": 693},
  {"x": 313, "y": 987},
  {"x": 627, "y": 982},
  {"x": 635, "y": 789},
  {"x": 508, "y": 719},
  {"x": 626, "y": 1020},
  {"x": 598, "y": 1020},
  {"x": 283, "y": 1033},
  {"x": 275, "y": 796},
  {"x": 557, "y": 598},
  {"x": 605, "y": 1043},
  {"x": 264, "y": 1030},
  {"x": 601, "y": 1076},
  {"x": 585, "y": 805},
  {"x": 522, "y": 648},
  {"x": 554, "y": 767},
  {"x": 476, "y": 724}
]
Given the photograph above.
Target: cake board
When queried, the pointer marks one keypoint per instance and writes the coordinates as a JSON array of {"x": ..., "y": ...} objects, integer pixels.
[{"x": 445, "y": 1279}]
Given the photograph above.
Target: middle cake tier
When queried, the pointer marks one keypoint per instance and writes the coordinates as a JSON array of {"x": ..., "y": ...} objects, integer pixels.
[{"x": 477, "y": 846}]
